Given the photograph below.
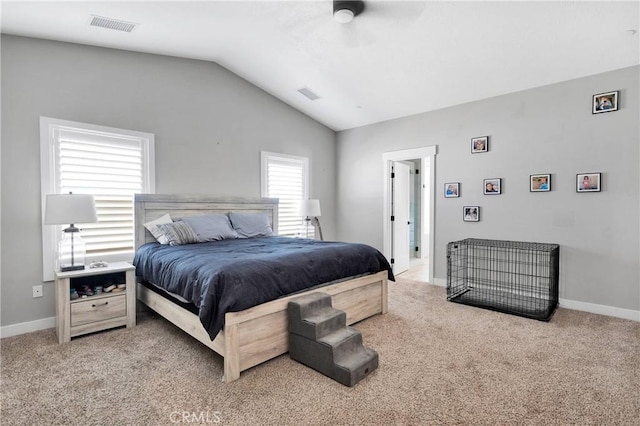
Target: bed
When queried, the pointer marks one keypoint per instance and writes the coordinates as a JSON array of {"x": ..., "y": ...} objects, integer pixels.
[{"x": 259, "y": 333}]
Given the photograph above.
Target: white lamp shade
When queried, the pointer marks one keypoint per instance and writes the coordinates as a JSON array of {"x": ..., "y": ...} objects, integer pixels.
[
  {"x": 310, "y": 208},
  {"x": 64, "y": 209}
]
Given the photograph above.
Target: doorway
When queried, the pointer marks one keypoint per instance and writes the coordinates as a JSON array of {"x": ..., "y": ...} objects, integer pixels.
[{"x": 417, "y": 228}]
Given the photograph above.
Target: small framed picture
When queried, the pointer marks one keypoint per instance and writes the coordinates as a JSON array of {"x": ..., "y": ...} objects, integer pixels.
[
  {"x": 605, "y": 102},
  {"x": 588, "y": 182},
  {"x": 452, "y": 190},
  {"x": 471, "y": 213},
  {"x": 492, "y": 186},
  {"x": 540, "y": 183},
  {"x": 480, "y": 144}
]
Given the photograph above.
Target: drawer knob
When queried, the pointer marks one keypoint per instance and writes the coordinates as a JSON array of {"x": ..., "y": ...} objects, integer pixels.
[{"x": 101, "y": 304}]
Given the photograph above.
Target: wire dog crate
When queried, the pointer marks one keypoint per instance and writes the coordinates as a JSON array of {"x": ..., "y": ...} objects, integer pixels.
[{"x": 519, "y": 278}]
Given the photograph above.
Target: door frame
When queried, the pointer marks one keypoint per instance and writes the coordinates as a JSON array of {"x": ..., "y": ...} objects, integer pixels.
[
  {"x": 428, "y": 152},
  {"x": 399, "y": 222}
]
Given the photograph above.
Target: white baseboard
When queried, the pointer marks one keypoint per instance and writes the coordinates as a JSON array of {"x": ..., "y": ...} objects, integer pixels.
[
  {"x": 27, "y": 327},
  {"x": 441, "y": 282},
  {"x": 593, "y": 308},
  {"x": 611, "y": 311},
  {"x": 630, "y": 314}
]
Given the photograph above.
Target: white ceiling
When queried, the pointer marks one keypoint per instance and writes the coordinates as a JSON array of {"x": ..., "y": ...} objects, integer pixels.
[{"x": 397, "y": 58}]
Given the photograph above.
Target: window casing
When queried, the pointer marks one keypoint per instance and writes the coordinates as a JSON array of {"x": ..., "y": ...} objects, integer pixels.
[
  {"x": 110, "y": 164},
  {"x": 286, "y": 177}
]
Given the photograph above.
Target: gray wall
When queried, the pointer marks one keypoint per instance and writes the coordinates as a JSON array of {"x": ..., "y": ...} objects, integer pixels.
[
  {"x": 209, "y": 127},
  {"x": 543, "y": 130}
]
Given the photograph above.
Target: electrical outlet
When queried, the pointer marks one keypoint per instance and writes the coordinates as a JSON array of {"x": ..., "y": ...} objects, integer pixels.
[{"x": 37, "y": 290}]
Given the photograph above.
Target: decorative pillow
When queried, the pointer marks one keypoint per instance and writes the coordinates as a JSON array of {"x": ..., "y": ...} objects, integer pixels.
[
  {"x": 249, "y": 225},
  {"x": 178, "y": 233},
  {"x": 211, "y": 227},
  {"x": 157, "y": 233}
]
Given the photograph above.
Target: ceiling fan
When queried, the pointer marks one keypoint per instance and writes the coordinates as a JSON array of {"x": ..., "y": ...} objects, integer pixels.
[
  {"x": 345, "y": 10},
  {"x": 355, "y": 22}
]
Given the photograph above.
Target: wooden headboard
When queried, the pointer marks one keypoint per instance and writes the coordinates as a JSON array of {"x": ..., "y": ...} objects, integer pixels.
[{"x": 148, "y": 207}]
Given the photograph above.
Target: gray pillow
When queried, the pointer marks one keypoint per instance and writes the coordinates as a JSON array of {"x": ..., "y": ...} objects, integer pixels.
[
  {"x": 211, "y": 227},
  {"x": 249, "y": 225},
  {"x": 178, "y": 233}
]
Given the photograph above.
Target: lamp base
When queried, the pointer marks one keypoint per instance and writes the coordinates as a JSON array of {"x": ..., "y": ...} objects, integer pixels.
[{"x": 72, "y": 268}]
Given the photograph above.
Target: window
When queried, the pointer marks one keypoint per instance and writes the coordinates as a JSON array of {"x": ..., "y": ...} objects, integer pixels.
[
  {"x": 287, "y": 178},
  {"x": 110, "y": 164}
]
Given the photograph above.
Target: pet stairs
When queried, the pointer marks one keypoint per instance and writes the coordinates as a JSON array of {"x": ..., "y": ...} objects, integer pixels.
[{"x": 319, "y": 338}]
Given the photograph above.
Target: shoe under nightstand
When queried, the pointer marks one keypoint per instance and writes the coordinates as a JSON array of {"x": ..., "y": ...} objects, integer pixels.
[{"x": 96, "y": 312}]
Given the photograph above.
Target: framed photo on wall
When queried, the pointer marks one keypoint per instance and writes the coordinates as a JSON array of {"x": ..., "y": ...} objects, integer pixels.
[
  {"x": 540, "y": 183},
  {"x": 452, "y": 190},
  {"x": 605, "y": 102},
  {"x": 471, "y": 213},
  {"x": 492, "y": 186},
  {"x": 479, "y": 144},
  {"x": 588, "y": 182}
]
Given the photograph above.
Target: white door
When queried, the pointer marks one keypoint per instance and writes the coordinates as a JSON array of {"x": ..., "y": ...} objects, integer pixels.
[
  {"x": 400, "y": 212},
  {"x": 427, "y": 171}
]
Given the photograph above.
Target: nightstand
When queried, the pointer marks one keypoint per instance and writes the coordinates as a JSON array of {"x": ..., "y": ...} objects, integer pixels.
[{"x": 98, "y": 312}]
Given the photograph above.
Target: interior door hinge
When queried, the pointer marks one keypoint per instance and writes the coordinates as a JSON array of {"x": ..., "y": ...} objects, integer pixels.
[
  {"x": 393, "y": 175},
  {"x": 393, "y": 218},
  {"x": 393, "y": 261}
]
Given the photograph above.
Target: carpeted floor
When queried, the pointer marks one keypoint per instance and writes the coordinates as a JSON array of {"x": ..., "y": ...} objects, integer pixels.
[{"x": 440, "y": 363}]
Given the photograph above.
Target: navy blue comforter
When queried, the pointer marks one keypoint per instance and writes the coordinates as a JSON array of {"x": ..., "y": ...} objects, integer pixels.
[{"x": 233, "y": 275}]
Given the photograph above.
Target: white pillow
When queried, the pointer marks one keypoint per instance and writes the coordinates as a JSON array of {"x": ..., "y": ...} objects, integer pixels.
[{"x": 155, "y": 231}]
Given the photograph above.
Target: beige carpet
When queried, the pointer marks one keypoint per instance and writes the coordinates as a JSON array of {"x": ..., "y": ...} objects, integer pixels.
[{"x": 440, "y": 363}]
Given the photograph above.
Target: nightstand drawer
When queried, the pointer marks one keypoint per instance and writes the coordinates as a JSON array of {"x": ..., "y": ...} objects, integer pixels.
[{"x": 99, "y": 309}]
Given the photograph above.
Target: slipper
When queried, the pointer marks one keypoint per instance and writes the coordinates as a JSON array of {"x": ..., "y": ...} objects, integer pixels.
[{"x": 86, "y": 291}]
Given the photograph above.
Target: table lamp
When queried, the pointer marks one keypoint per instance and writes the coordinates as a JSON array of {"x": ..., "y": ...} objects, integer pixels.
[
  {"x": 310, "y": 209},
  {"x": 70, "y": 209}
]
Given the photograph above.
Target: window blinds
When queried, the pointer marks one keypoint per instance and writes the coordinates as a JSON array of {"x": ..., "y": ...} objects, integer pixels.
[
  {"x": 111, "y": 169},
  {"x": 287, "y": 181}
]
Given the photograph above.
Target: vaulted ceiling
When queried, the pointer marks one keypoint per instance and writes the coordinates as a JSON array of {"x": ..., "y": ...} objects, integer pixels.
[{"x": 397, "y": 58}]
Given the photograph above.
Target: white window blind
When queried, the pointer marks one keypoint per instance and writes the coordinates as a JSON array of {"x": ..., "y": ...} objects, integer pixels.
[
  {"x": 286, "y": 178},
  {"x": 111, "y": 165},
  {"x": 111, "y": 171}
]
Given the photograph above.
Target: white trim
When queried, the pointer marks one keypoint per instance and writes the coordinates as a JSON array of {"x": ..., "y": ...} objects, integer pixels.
[
  {"x": 410, "y": 154},
  {"x": 287, "y": 217},
  {"x": 265, "y": 156},
  {"x": 402, "y": 155},
  {"x": 593, "y": 308},
  {"x": 575, "y": 305},
  {"x": 629, "y": 314},
  {"x": 440, "y": 282},
  {"x": 27, "y": 327},
  {"x": 49, "y": 127},
  {"x": 432, "y": 209}
]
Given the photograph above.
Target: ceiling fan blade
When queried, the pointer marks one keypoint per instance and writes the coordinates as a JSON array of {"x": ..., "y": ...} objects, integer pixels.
[
  {"x": 393, "y": 12},
  {"x": 312, "y": 22},
  {"x": 378, "y": 20}
]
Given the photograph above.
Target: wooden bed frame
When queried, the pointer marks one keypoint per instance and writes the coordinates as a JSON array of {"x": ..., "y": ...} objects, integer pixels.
[{"x": 258, "y": 334}]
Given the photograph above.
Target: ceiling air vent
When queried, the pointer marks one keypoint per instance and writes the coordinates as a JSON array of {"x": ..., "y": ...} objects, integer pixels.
[
  {"x": 308, "y": 93},
  {"x": 112, "y": 24}
]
